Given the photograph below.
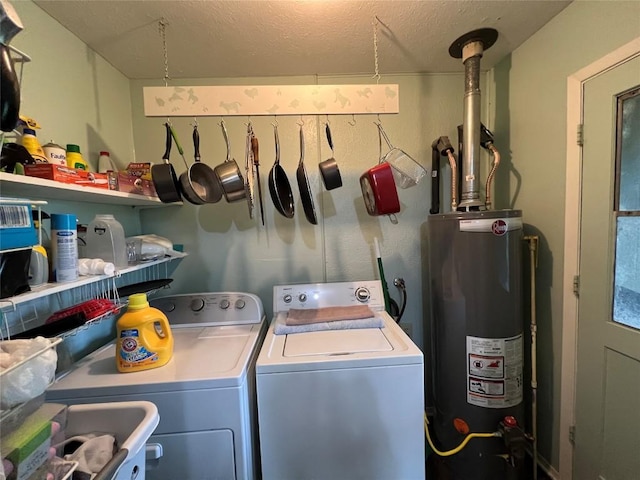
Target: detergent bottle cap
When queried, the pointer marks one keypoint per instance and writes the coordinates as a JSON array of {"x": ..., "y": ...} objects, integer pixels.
[{"x": 138, "y": 301}]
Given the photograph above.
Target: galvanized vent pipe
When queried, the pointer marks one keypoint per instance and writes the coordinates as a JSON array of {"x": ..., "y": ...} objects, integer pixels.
[{"x": 470, "y": 48}]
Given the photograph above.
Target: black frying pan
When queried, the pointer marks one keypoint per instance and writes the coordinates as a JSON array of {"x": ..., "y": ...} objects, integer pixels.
[
  {"x": 303, "y": 186},
  {"x": 10, "y": 95},
  {"x": 279, "y": 186},
  {"x": 164, "y": 176}
]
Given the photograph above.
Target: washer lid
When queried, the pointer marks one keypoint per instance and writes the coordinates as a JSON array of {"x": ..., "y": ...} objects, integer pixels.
[
  {"x": 337, "y": 349},
  {"x": 336, "y": 342}
]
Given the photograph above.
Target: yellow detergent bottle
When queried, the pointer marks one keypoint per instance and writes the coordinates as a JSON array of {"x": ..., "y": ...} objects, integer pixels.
[{"x": 144, "y": 337}]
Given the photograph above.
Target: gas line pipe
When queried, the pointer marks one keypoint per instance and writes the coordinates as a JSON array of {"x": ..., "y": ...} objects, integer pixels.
[{"x": 532, "y": 241}]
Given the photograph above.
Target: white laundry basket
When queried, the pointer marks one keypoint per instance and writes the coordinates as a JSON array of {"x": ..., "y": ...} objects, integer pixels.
[{"x": 132, "y": 423}]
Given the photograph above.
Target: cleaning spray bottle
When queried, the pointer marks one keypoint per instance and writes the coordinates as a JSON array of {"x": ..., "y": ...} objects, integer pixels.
[{"x": 144, "y": 338}]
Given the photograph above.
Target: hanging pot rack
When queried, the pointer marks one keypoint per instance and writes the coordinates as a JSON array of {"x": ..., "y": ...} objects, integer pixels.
[{"x": 255, "y": 100}]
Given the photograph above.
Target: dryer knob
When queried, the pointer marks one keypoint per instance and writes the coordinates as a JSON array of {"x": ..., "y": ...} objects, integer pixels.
[
  {"x": 363, "y": 294},
  {"x": 240, "y": 304},
  {"x": 197, "y": 304},
  {"x": 287, "y": 298},
  {"x": 302, "y": 297},
  {"x": 224, "y": 304}
]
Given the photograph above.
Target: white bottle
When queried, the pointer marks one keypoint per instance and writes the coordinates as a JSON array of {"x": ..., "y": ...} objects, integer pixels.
[
  {"x": 105, "y": 239},
  {"x": 64, "y": 247},
  {"x": 105, "y": 164}
]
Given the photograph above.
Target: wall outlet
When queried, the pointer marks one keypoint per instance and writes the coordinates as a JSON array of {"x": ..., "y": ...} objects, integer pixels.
[{"x": 407, "y": 328}]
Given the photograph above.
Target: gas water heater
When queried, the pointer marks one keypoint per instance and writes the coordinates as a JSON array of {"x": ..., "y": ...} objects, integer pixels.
[{"x": 476, "y": 334}]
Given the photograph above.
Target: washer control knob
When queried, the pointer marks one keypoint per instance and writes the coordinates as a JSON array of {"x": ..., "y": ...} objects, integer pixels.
[
  {"x": 240, "y": 304},
  {"x": 168, "y": 307},
  {"x": 197, "y": 304},
  {"x": 362, "y": 294},
  {"x": 224, "y": 304},
  {"x": 302, "y": 297},
  {"x": 287, "y": 298}
]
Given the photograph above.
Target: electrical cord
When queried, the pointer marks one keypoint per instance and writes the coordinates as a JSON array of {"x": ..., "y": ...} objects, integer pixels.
[{"x": 463, "y": 444}]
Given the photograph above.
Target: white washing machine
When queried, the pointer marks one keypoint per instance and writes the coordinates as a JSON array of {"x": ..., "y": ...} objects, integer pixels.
[
  {"x": 205, "y": 394},
  {"x": 340, "y": 404}
]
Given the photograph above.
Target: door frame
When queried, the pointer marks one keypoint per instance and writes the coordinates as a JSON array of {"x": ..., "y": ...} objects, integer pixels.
[{"x": 571, "y": 266}]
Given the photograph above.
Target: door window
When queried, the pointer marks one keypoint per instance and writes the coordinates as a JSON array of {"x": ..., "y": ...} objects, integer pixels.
[{"x": 626, "y": 299}]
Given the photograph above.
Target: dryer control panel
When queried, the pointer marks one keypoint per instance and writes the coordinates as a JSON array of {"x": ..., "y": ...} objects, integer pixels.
[
  {"x": 336, "y": 294},
  {"x": 211, "y": 308}
]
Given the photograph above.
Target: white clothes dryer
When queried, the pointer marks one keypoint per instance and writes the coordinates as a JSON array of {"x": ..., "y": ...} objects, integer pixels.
[
  {"x": 205, "y": 395},
  {"x": 340, "y": 404}
]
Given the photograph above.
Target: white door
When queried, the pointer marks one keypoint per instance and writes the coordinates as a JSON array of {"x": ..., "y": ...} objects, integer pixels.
[{"x": 607, "y": 430}]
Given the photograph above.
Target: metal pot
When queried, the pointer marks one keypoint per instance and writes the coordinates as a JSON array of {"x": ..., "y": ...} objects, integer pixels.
[
  {"x": 199, "y": 183},
  {"x": 329, "y": 168},
  {"x": 229, "y": 175}
]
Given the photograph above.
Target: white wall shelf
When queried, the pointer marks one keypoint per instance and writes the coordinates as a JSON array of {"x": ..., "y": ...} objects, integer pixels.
[
  {"x": 32, "y": 187},
  {"x": 41, "y": 291}
]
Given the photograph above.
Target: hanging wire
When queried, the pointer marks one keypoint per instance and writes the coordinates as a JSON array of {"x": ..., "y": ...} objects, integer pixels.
[
  {"x": 352, "y": 122},
  {"x": 275, "y": 121},
  {"x": 376, "y": 75},
  {"x": 301, "y": 122},
  {"x": 162, "y": 28}
]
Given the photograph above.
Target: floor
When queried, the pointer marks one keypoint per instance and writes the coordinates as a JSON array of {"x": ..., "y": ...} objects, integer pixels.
[{"x": 436, "y": 470}]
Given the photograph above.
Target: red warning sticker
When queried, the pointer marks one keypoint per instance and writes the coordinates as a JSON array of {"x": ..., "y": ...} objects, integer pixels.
[{"x": 486, "y": 366}]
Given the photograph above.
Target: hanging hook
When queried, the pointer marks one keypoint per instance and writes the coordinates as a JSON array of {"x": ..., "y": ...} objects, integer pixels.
[
  {"x": 275, "y": 121},
  {"x": 301, "y": 122},
  {"x": 195, "y": 122},
  {"x": 221, "y": 124},
  {"x": 248, "y": 124},
  {"x": 328, "y": 122},
  {"x": 352, "y": 122}
]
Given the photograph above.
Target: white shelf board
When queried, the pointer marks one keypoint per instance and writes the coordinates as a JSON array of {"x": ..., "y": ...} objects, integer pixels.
[
  {"x": 51, "y": 288},
  {"x": 32, "y": 187}
]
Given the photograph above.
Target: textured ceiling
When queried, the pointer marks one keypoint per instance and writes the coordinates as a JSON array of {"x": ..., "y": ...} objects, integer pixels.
[{"x": 246, "y": 38}]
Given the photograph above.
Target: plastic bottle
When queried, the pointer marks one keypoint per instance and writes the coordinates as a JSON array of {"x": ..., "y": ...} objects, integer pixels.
[
  {"x": 31, "y": 143},
  {"x": 105, "y": 239},
  {"x": 74, "y": 158},
  {"x": 144, "y": 338},
  {"x": 55, "y": 153},
  {"x": 64, "y": 247},
  {"x": 105, "y": 164}
]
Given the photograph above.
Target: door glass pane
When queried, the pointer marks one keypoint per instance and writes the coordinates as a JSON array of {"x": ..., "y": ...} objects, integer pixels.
[
  {"x": 629, "y": 154},
  {"x": 626, "y": 298}
]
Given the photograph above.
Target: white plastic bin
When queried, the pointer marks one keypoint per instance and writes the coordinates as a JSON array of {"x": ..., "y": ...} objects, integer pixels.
[{"x": 132, "y": 423}]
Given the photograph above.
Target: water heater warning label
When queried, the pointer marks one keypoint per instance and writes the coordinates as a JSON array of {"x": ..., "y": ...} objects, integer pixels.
[{"x": 494, "y": 371}]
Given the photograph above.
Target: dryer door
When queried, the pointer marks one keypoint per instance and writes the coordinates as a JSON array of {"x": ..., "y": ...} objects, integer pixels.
[{"x": 206, "y": 454}]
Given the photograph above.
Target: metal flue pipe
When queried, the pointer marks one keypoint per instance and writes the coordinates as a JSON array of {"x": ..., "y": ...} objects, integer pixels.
[{"x": 470, "y": 48}]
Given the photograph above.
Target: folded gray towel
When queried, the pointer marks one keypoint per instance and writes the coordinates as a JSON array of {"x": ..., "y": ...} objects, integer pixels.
[
  {"x": 297, "y": 316},
  {"x": 281, "y": 328}
]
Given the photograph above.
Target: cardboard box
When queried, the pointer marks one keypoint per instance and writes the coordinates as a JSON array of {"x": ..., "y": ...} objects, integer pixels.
[
  {"x": 133, "y": 184},
  {"x": 142, "y": 170},
  {"x": 63, "y": 174},
  {"x": 27, "y": 448}
]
